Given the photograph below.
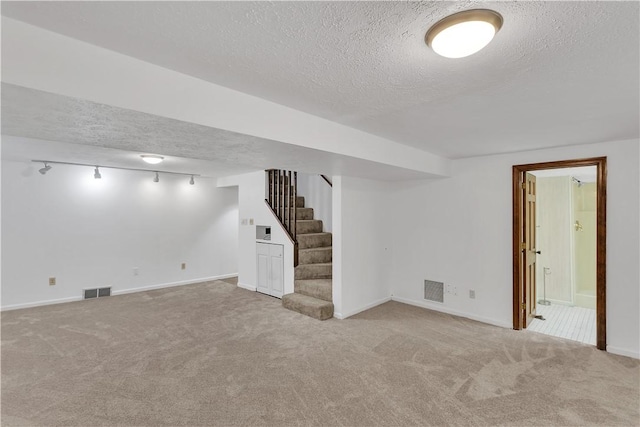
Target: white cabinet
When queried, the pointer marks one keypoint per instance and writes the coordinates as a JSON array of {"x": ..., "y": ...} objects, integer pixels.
[{"x": 270, "y": 269}]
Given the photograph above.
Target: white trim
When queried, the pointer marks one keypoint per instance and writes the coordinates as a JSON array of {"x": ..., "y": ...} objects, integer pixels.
[
  {"x": 40, "y": 303},
  {"x": 623, "y": 352},
  {"x": 172, "y": 284},
  {"x": 447, "y": 310},
  {"x": 247, "y": 287},
  {"x": 119, "y": 292},
  {"x": 361, "y": 309}
]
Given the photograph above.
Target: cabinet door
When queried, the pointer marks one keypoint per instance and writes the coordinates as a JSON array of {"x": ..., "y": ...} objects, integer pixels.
[
  {"x": 263, "y": 266},
  {"x": 277, "y": 270}
]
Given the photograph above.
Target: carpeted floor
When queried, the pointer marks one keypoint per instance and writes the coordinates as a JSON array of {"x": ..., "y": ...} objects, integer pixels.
[{"x": 214, "y": 354}]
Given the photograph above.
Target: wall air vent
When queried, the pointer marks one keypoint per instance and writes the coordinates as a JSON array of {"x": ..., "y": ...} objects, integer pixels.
[
  {"x": 90, "y": 293},
  {"x": 96, "y": 293},
  {"x": 433, "y": 291}
]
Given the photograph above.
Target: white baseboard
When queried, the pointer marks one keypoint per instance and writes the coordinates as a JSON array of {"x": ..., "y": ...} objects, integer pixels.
[
  {"x": 40, "y": 303},
  {"x": 443, "y": 309},
  {"x": 247, "y": 287},
  {"x": 623, "y": 352},
  {"x": 172, "y": 284},
  {"x": 361, "y": 309},
  {"x": 117, "y": 292}
]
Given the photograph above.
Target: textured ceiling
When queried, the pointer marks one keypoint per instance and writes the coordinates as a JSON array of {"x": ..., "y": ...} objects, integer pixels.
[
  {"x": 192, "y": 148},
  {"x": 558, "y": 73}
]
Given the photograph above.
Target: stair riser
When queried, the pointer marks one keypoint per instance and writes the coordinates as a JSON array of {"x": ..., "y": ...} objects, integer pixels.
[
  {"x": 305, "y": 227},
  {"x": 304, "y": 213},
  {"x": 314, "y": 241},
  {"x": 321, "y": 291},
  {"x": 315, "y": 256},
  {"x": 313, "y": 271},
  {"x": 320, "y": 313}
]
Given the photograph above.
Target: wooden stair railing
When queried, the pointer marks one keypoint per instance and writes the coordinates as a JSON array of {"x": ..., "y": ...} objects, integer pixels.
[{"x": 281, "y": 196}]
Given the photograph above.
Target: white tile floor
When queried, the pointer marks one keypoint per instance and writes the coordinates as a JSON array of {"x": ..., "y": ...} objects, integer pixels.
[{"x": 574, "y": 323}]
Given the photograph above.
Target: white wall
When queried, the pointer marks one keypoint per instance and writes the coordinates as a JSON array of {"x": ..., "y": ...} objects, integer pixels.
[
  {"x": 92, "y": 233},
  {"x": 252, "y": 206},
  {"x": 361, "y": 244},
  {"x": 317, "y": 195},
  {"x": 458, "y": 230}
]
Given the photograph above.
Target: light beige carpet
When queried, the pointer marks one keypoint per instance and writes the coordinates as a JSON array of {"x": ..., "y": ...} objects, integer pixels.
[{"x": 213, "y": 354}]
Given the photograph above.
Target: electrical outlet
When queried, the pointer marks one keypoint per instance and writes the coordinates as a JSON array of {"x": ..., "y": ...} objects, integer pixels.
[
  {"x": 251, "y": 221},
  {"x": 52, "y": 281},
  {"x": 244, "y": 221},
  {"x": 472, "y": 294},
  {"x": 184, "y": 266},
  {"x": 455, "y": 290},
  {"x": 135, "y": 271}
]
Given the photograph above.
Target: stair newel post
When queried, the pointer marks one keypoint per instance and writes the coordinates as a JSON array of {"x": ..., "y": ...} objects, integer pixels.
[
  {"x": 295, "y": 209},
  {"x": 268, "y": 185}
]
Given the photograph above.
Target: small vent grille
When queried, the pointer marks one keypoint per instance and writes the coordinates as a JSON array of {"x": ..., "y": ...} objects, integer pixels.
[
  {"x": 90, "y": 293},
  {"x": 96, "y": 293},
  {"x": 433, "y": 291}
]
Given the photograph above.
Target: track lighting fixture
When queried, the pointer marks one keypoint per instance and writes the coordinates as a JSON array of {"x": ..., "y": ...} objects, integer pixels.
[
  {"x": 45, "y": 169},
  {"x": 98, "y": 175}
]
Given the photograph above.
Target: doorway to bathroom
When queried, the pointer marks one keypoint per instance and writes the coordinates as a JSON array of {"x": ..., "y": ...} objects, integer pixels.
[{"x": 559, "y": 249}]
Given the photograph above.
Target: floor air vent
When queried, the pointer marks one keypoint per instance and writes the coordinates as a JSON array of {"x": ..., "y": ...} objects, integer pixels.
[
  {"x": 433, "y": 291},
  {"x": 96, "y": 293}
]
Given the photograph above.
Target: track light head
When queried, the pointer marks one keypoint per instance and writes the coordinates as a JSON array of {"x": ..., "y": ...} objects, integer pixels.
[
  {"x": 192, "y": 181},
  {"x": 157, "y": 178},
  {"x": 96, "y": 174},
  {"x": 45, "y": 169}
]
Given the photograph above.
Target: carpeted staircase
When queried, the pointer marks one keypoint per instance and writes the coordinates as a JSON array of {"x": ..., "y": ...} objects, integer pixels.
[{"x": 312, "y": 281}]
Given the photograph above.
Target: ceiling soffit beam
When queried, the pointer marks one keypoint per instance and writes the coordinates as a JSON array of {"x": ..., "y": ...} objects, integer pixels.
[{"x": 39, "y": 59}]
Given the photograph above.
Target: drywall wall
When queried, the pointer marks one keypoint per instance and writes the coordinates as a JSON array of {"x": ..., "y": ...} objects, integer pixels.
[
  {"x": 90, "y": 232},
  {"x": 253, "y": 211},
  {"x": 317, "y": 195},
  {"x": 361, "y": 244},
  {"x": 458, "y": 230}
]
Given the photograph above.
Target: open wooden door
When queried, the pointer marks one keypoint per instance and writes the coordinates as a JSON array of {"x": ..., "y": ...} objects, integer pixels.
[
  {"x": 524, "y": 242},
  {"x": 529, "y": 248}
]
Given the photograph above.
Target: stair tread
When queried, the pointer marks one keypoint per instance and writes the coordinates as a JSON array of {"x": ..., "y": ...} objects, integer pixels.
[
  {"x": 321, "y": 248},
  {"x": 309, "y": 306},
  {"x": 308, "y": 300},
  {"x": 320, "y": 281},
  {"x": 324, "y": 233}
]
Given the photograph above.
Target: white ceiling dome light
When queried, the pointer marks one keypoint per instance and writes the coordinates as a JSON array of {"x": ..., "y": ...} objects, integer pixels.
[
  {"x": 463, "y": 33},
  {"x": 152, "y": 159}
]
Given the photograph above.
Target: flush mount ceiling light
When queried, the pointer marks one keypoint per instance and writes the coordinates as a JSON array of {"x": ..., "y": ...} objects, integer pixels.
[
  {"x": 463, "y": 33},
  {"x": 152, "y": 159}
]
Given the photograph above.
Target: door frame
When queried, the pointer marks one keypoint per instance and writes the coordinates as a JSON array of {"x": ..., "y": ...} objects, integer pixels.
[{"x": 518, "y": 172}]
